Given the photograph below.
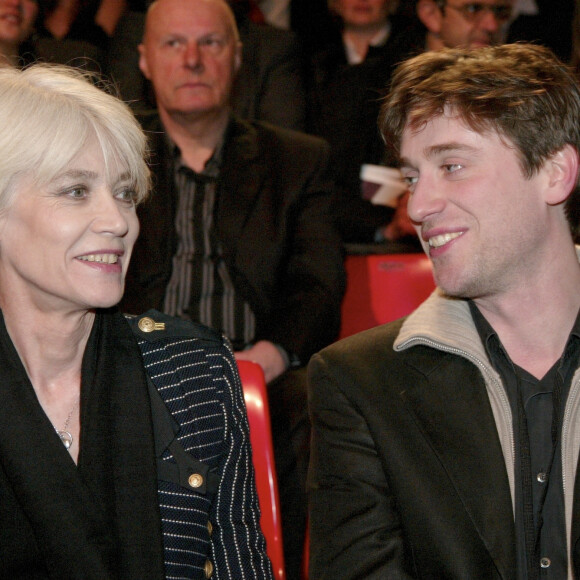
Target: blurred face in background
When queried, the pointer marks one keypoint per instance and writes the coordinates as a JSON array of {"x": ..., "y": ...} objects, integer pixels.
[
  {"x": 362, "y": 14},
  {"x": 17, "y": 18},
  {"x": 464, "y": 23}
]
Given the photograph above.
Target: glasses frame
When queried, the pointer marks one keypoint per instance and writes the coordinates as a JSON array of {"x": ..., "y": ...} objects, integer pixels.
[{"x": 473, "y": 11}]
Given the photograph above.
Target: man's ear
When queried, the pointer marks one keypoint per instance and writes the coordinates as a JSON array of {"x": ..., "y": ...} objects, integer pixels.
[
  {"x": 562, "y": 168},
  {"x": 430, "y": 15},
  {"x": 143, "y": 65}
]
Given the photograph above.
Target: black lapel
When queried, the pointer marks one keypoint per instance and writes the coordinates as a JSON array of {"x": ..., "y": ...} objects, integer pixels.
[
  {"x": 100, "y": 520},
  {"x": 241, "y": 180},
  {"x": 458, "y": 421},
  {"x": 120, "y": 374},
  {"x": 71, "y": 526}
]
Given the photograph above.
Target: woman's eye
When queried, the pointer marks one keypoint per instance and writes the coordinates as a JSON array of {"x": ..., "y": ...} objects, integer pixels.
[
  {"x": 77, "y": 192},
  {"x": 127, "y": 195}
]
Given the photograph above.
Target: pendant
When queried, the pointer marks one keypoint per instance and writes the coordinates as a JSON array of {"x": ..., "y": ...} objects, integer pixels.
[{"x": 66, "y": 438}]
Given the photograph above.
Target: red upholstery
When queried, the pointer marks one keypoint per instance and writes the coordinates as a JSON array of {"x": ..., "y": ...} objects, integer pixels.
[
  {"x": 256, "y": 397},
  {"x": 383, "y": 287}
]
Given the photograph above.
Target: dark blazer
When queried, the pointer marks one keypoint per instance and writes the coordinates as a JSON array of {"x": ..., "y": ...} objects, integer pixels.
[
  {"x": 274, "y": 221},
  {"x": 407, "y": 479}
]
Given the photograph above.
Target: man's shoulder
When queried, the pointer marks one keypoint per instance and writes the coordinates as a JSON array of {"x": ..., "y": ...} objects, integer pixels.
[
  {"x": 266, "y": 40},
  {"x": 271, "y": 138},
  {"x": 373, "y": 344}
]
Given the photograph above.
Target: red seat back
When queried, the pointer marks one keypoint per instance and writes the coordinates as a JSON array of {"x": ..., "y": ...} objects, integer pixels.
[
  {"x": 383, "y": 287},
  {"x": 256, "y": 397}
]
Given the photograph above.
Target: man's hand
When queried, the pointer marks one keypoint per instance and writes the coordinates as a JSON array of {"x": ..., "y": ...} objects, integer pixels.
[{"x": 267, "y": 356}]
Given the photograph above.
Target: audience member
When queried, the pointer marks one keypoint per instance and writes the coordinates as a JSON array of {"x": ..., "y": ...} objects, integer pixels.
[
  {"x": 463, "y": 23},
  {"x": 346, "y": 80},
  {"x": 276, "y": 12},
  {"x": 445, "y": 445},
  {"x": 239, "y": 232},
  {"x": 77, "y": 32},
  {"x": 269, "y": 85},
  {"x": 123, "y": 442},
  {"x": 17, "y": 19}
]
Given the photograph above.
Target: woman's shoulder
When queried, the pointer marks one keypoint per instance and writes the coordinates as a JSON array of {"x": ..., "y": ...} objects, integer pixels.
[{"x": 154, "y": 325}]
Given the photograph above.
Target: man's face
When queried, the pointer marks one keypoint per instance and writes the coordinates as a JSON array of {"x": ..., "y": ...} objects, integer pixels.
[
  {"x": 481, "y": 221},
  {"x": 466, "y": 23},
  {"x": 191, "y": 56}
]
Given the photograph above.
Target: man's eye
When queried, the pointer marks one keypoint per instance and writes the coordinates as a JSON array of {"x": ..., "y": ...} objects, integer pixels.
[
  {"x": 473, "y": 8},
  {"x": 212, "y": 42},
  {"x": 410, "y": 180},
  {"x": 452, "y": 167}
]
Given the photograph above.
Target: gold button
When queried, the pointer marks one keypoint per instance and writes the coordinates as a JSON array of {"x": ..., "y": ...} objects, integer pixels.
[
  {"x": 195, "y": 480},
  {"x": 147, "y": 324},
  {"x": 209, "y": 528},
  {"x": 208, "y": 569}
]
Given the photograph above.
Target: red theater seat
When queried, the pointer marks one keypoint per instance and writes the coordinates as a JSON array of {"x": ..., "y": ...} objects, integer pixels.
[
  {"x": 383, "y": 287},
  {"x": 256, "y": 397}
]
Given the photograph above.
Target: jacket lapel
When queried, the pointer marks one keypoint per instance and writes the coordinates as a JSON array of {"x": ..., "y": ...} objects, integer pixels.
[
  {"x": 79, "y": 529},
  {"x": 465, "y": 439},
  {"x": 241, "y": 180}
]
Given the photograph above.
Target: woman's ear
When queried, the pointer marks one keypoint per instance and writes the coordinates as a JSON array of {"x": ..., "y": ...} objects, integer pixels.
[{"x": 562, "y": 170}]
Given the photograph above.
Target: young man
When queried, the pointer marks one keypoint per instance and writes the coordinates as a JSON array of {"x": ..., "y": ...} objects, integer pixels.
[{"x": 445, "y": 445}]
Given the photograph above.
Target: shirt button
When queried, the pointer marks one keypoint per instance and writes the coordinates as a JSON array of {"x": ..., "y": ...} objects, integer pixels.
[
  {"x": 545, "y": 562},
  {"x": 208, "y": 569},
  {"x": 542, "y": 477}
]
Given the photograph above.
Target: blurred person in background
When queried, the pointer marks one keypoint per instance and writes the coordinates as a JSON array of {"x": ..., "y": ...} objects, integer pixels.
[{"x": 17, "y": 20}]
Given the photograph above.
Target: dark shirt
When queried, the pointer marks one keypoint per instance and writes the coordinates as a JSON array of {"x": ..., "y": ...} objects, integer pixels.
[
  {"x": 539, "y": 398},
  {"x": 200, "y": 287}
]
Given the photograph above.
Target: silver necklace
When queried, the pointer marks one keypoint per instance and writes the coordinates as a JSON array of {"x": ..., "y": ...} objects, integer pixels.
[{"x": 65, "y": 435}]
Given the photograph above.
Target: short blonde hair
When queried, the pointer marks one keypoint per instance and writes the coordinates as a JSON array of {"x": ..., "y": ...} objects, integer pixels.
[{"x": 48, "y": 113}]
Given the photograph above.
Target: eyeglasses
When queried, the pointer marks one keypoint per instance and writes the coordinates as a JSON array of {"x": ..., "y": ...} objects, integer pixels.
[{"x": 474, "y": 11}]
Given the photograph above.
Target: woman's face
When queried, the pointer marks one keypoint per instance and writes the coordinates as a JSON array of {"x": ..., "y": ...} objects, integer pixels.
[
  {"x": 362, "y": 13},
  {"x": 66, "y": 246}
]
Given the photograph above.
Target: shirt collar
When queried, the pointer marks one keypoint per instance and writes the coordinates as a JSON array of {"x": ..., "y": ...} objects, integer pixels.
[{"x": 353, "y": 57}]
